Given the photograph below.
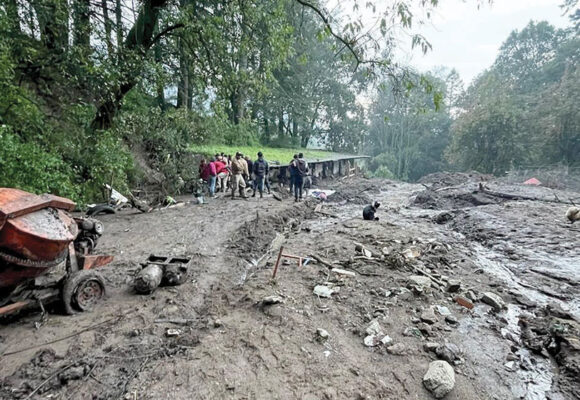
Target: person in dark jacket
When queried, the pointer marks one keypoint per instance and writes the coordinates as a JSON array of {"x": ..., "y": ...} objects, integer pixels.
[
  {"x": 250, "y": 169},
  {"x": 370, "y": 210},
  {"x": 261, "y": 170},
  {"x": 293, "y": 170},
  {"x": 301, "y": 172}
]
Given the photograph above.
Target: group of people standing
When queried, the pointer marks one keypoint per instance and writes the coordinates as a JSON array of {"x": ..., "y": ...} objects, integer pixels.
[{"x": 236, "y": 173}]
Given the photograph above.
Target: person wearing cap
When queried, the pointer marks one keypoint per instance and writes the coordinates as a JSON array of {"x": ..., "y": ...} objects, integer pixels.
[
  {"x": 239, "y": 168},
  {"x": 370, "y": 210},
  {"x": 261, "y": 170}
]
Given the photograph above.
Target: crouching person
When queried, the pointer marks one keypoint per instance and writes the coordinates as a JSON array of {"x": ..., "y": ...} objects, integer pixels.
[{"x": 370, "y": 210}]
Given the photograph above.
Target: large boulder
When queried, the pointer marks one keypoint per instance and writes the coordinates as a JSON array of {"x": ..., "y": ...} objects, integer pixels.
[{"x": 439, "y": 379}]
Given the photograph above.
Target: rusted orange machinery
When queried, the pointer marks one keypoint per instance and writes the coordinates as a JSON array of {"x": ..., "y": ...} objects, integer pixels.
[{"x": 46, "y": 254}]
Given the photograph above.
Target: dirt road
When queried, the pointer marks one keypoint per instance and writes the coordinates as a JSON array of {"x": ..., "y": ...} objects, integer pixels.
[{"x": 231, "y": 344}]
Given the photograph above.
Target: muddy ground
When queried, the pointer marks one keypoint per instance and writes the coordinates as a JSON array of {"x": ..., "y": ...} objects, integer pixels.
[{"x": 231, "y": 344}]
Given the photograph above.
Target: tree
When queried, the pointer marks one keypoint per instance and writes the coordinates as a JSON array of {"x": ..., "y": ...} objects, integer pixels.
[{"x": 408, "y": 134}]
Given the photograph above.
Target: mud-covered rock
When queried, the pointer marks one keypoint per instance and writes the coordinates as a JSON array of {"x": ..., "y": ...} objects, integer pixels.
[
  {"x": 418, "y": 282},
  {"x": 493, "y": 300},
  {"x": 448, "y": 352},
  {"x": 428, "y": 316},
  {"x": 439, "y": 379}
]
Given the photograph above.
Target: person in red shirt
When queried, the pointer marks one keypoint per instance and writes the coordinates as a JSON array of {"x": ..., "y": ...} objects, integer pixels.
[
  {"x": 203, "y": 171},
  {"x": 211, "y": 173},
  {"x": 222, "y": 174}
]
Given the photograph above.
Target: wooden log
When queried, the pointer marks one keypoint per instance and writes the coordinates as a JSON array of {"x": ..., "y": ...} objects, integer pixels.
[
  {"x": 148, "y": 279},
  {"x": 509, "y": 196}
]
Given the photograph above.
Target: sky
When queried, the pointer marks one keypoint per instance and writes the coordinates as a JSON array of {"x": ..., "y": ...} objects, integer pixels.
[{"x": 468, "y": 39}]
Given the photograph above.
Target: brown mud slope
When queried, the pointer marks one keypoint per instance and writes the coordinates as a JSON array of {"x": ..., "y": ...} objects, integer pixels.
[{"x": 521, "y": 341}]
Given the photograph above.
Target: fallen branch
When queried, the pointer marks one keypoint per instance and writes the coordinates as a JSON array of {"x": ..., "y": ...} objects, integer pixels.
[
  {"x": 428, "y": 275},
  {"x": 47, "y": 380},
  {"x": 516, "y": 197},
  {"x": 322, "y": 261},
  {"x": 555, "y": 276},
  {"x": 176, "y": 321},
  {"x": 88, "y": 328}
]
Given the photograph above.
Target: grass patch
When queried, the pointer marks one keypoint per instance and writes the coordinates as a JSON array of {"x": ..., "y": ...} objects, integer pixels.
[{"x": 279, "y": 155}]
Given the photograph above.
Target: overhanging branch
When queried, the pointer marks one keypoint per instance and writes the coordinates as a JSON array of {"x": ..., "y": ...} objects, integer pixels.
[
  {"x": 347, "y": 44},
  {"x": 166, "y": 31}
]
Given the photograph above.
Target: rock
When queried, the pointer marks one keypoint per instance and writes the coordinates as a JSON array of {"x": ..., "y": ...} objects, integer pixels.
[
  {"x": 374, "y": 328},
  {"x": 443, "y": 311},
  {"x": 386, "y": 251},
  {"x": 425, "y": 329},
  {"x": 493, "y": 300},
  {"x": 448, "y": 352},
  {"x": 323, "y": 291},
  {"x": 418, "y": 282},
  {"x": 412, "y": 331},
  {"x": 453, "y": 285},
  {"x": 386, "y": 340},
  {"x": 398, "y": 349},
  {"x": 439, "y": 379},
  {"x": 343, "y": 272},
  {"x": 371, "y": 341},
  {"x": 411, "y": 253},
  {"x": 451, "y": 319},
  {"x": 430, "y": 346},
  {"x": 218, "y": 323},
  {"x": 510, "y": 366},
  {"x": 269, "y": 300},
  {"x": 172, "y": 332},
  {"x": 322, "y": 334},
  {"x": 429, "y": 316},
  {"x": 405, "y": 294},
  {"x": 471, "y": 295},
  {"x": 72, "y": 374}
]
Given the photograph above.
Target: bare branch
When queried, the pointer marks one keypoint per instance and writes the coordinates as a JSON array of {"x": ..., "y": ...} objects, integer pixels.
[{"x": 347, "y": 44}]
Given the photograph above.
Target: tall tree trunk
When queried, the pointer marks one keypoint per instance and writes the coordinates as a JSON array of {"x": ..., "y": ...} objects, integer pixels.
[
  {"x": 119, "y": 24},
  {"x": 160, "y": 87},
  {"x": 241, "y": 92},
  {"x": 108, "y": 27},
  {"x": 281, "y": 123},
  {"x": 138, "y": 42},
  {"x": 82, "y": 25},
  {"x": 183, "y": 87},
  {"x": 53, "y": 23}
]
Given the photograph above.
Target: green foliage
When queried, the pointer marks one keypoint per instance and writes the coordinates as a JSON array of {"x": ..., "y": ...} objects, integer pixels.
[
  {"x": 28, "y": 167},
  {"x": 524, "y": 110},
  {"x": 278, "y": 155}
]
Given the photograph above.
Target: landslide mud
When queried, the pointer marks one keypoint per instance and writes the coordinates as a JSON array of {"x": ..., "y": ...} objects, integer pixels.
[{"x": 231, "y": 344}]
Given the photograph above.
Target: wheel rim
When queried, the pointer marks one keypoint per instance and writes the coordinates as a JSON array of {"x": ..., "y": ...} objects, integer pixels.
[{"x": 88, "y": 294}]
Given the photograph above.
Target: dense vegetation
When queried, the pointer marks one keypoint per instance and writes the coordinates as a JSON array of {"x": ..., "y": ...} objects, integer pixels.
[{"x": 119, "y": 92}]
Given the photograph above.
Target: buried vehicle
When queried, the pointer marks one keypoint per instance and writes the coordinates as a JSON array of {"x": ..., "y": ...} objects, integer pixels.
[{"x": 46, "y": 254}]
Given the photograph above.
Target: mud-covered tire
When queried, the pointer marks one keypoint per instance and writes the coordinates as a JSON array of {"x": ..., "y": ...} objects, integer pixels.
[
  {"x": 82, "y": 290},
  {"x": 100, "y": 209}
]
